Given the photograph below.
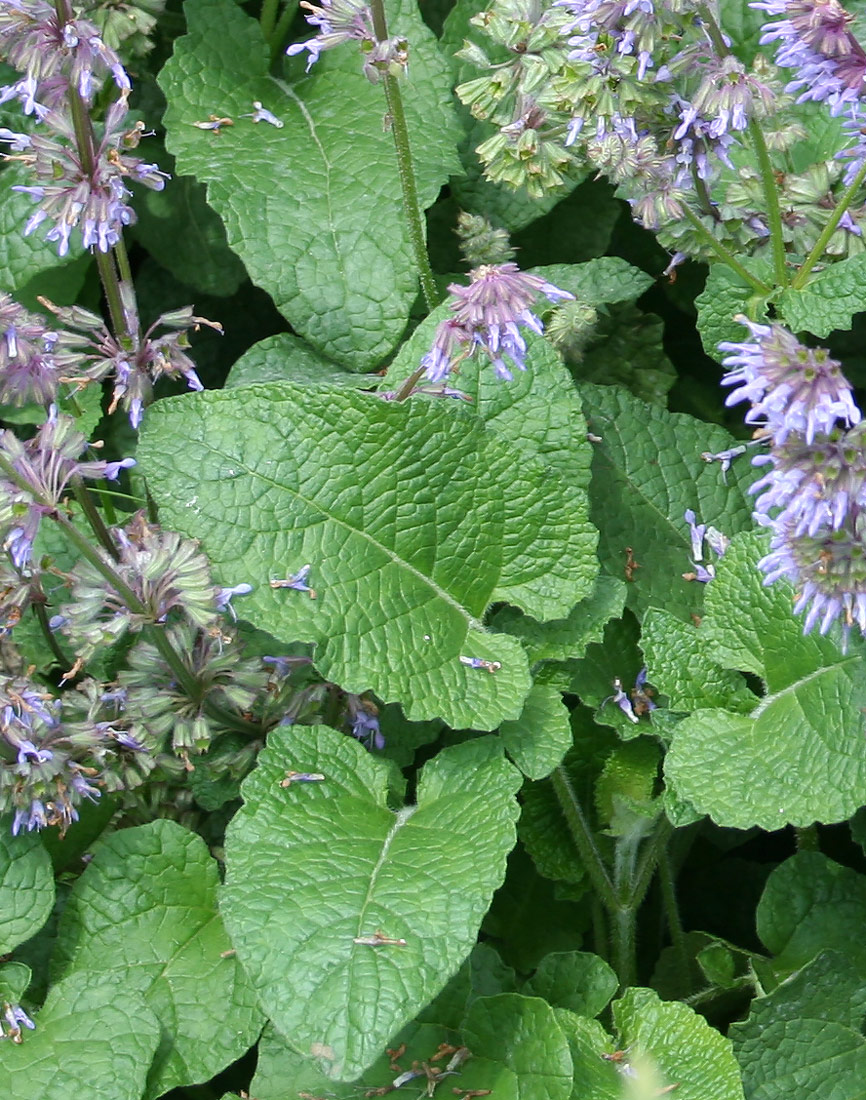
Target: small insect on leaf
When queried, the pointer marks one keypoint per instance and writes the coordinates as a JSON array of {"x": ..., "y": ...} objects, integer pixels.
[
  {"x": 378, "y": 940},
  {"x": 214, "y": 123},
  {"x": 479, "y": 662},
  {"x": 301, "y": 777}
]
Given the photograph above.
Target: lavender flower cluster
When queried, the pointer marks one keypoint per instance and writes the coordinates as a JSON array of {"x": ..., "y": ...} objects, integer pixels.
[
  {"x": 813, "y": 494},
  {"x": 650, "y": 95}
]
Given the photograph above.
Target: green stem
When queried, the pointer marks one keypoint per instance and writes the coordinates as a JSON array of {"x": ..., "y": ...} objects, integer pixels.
[
  {"x": 808, "y": 839},
  {"x": 268, "y": 18},
  {"x": 583, "y": 839},
  {"x": 672, "y": 913},
  {"x": 724, "y": 254},
  {"x": 650, "y": 856},
  {"x": 400, "y": 132},
  {"x": 410, "y": 384},
  {"x": 48, "y": 634},
  {"x": 624, "y": 946},
  {"x": 278, "y": 36},
  {"x": 771, "y": 198},
  {"x": 91, "y": 513},
  {"x": 799, "y": 280},
  {"x": 768, "y": 179}
]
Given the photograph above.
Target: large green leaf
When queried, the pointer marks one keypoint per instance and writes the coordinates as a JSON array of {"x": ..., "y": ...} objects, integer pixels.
[
  {"x": 315, "y": 871},
  {"x": 647, "y": 471},
  {"x": 518, "y": 1052},
  {"x": 669, "y": 1043},
  {"x": 830, "y": 300},
  {"x": 412, "y": 517},
  {"x": 805, "y": 1038},
  {"x": 93, "y": 1038},
  {"x": 541, "y": 736},
  {"x": 26, "y": 887},
  {"x": 576, "y": 980},
  {"x": 313, "y": 209},
  {"x": 748, "y": 769},
  {"x": 144, "y": 913},
  {"x": 809, "y": 904},
  {"x": 539, "y": 411}
]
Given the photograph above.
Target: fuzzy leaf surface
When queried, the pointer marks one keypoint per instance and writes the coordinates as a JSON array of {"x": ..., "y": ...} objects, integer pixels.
[
  {"x": 670, "y": 1043},
  {"x": 412, "y": 518},
  {"x": 810, "y": 904},
  {"x": 647, "y": 471},
  {"x": 311, "y": 868},
  {"x": 144, "y": 912},
  {"x": 680, "y": 665},
  {"x": 829, "y": 301},
  {"x": 539, "y": 411},
  {"x": 313, "y": 209},
  {"x": 541, "y": 736},
  {"x": 562, "y": 639},
  {"x": 92, "y": 1039},
  {"x": 26, "y": 886},
  {"x": 747, "y": 769}
]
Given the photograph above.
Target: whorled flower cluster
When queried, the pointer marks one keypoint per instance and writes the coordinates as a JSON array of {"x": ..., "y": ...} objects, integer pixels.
[
  {"x": 342, "y": 21},
  {"x": 163, "y": 575},
  {"x": 56, "y": 753},
  {"x": 814, "y": 38},
  {"x": 35, "y": 475},
  {"x": 812, "y": 496},
  {"x": 488, "y": 315}
]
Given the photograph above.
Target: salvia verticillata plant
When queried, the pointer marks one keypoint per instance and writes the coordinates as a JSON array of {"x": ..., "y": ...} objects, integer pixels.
[{"x": 354, "y": 741}]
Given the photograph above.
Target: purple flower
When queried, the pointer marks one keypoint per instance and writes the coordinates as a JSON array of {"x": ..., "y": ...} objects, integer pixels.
[
  {"x": 622, "y": 701},
  {"x": 224, "y": 597},
  {"x": 488, "y": 316},
  {"x": 792, "y": 388}
]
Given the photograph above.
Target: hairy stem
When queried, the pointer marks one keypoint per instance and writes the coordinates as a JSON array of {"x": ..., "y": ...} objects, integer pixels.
[
  {"x": 724, "y": 254},
  {"x": 799, "y": 280},
  {"x": 400, "y": 132},
  {"x": 583, "y": 839}
]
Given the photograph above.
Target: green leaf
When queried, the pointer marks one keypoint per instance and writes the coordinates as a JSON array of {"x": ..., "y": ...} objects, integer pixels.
[
  {"x": 313, "y": 868},
  {"x": 285, "y": 358},
  {"x": 811, "y": 904},
  {"x": 595, "y": 1076},
  {"x": 14, "y": 979},
  {"x": 598, "y": 282},
  {"x": 519, "y": 1051},
  {"x": 628, "y": 351},
  {"x": 541, "y": 736},
  {"x": 93, "y": 1038},
  {"x": 538, "y": 412},
  {"x": 185, "y": 236},
  {"x": 805, "y": 1036},
  {"x": 680, "y": 665},
  {"x": 724, "y": 296},
  {"x": 26, "y": 886},
  {"x": 411, "y": 517},
  {"x": 314, "y": 210},
  {"x": 576, "y": 980},
  {"x": 647, "y": 471},
  {"x": 669, "y": 1044},
  {"x": 561, "y": 639},
  {"x": 829, "y": 301},
  {"x": 625, "y": 787},
  {"x": 748, "y": 770},
  {"x": 528, "y": 917},
  {"x": 144, "y": 914}
]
